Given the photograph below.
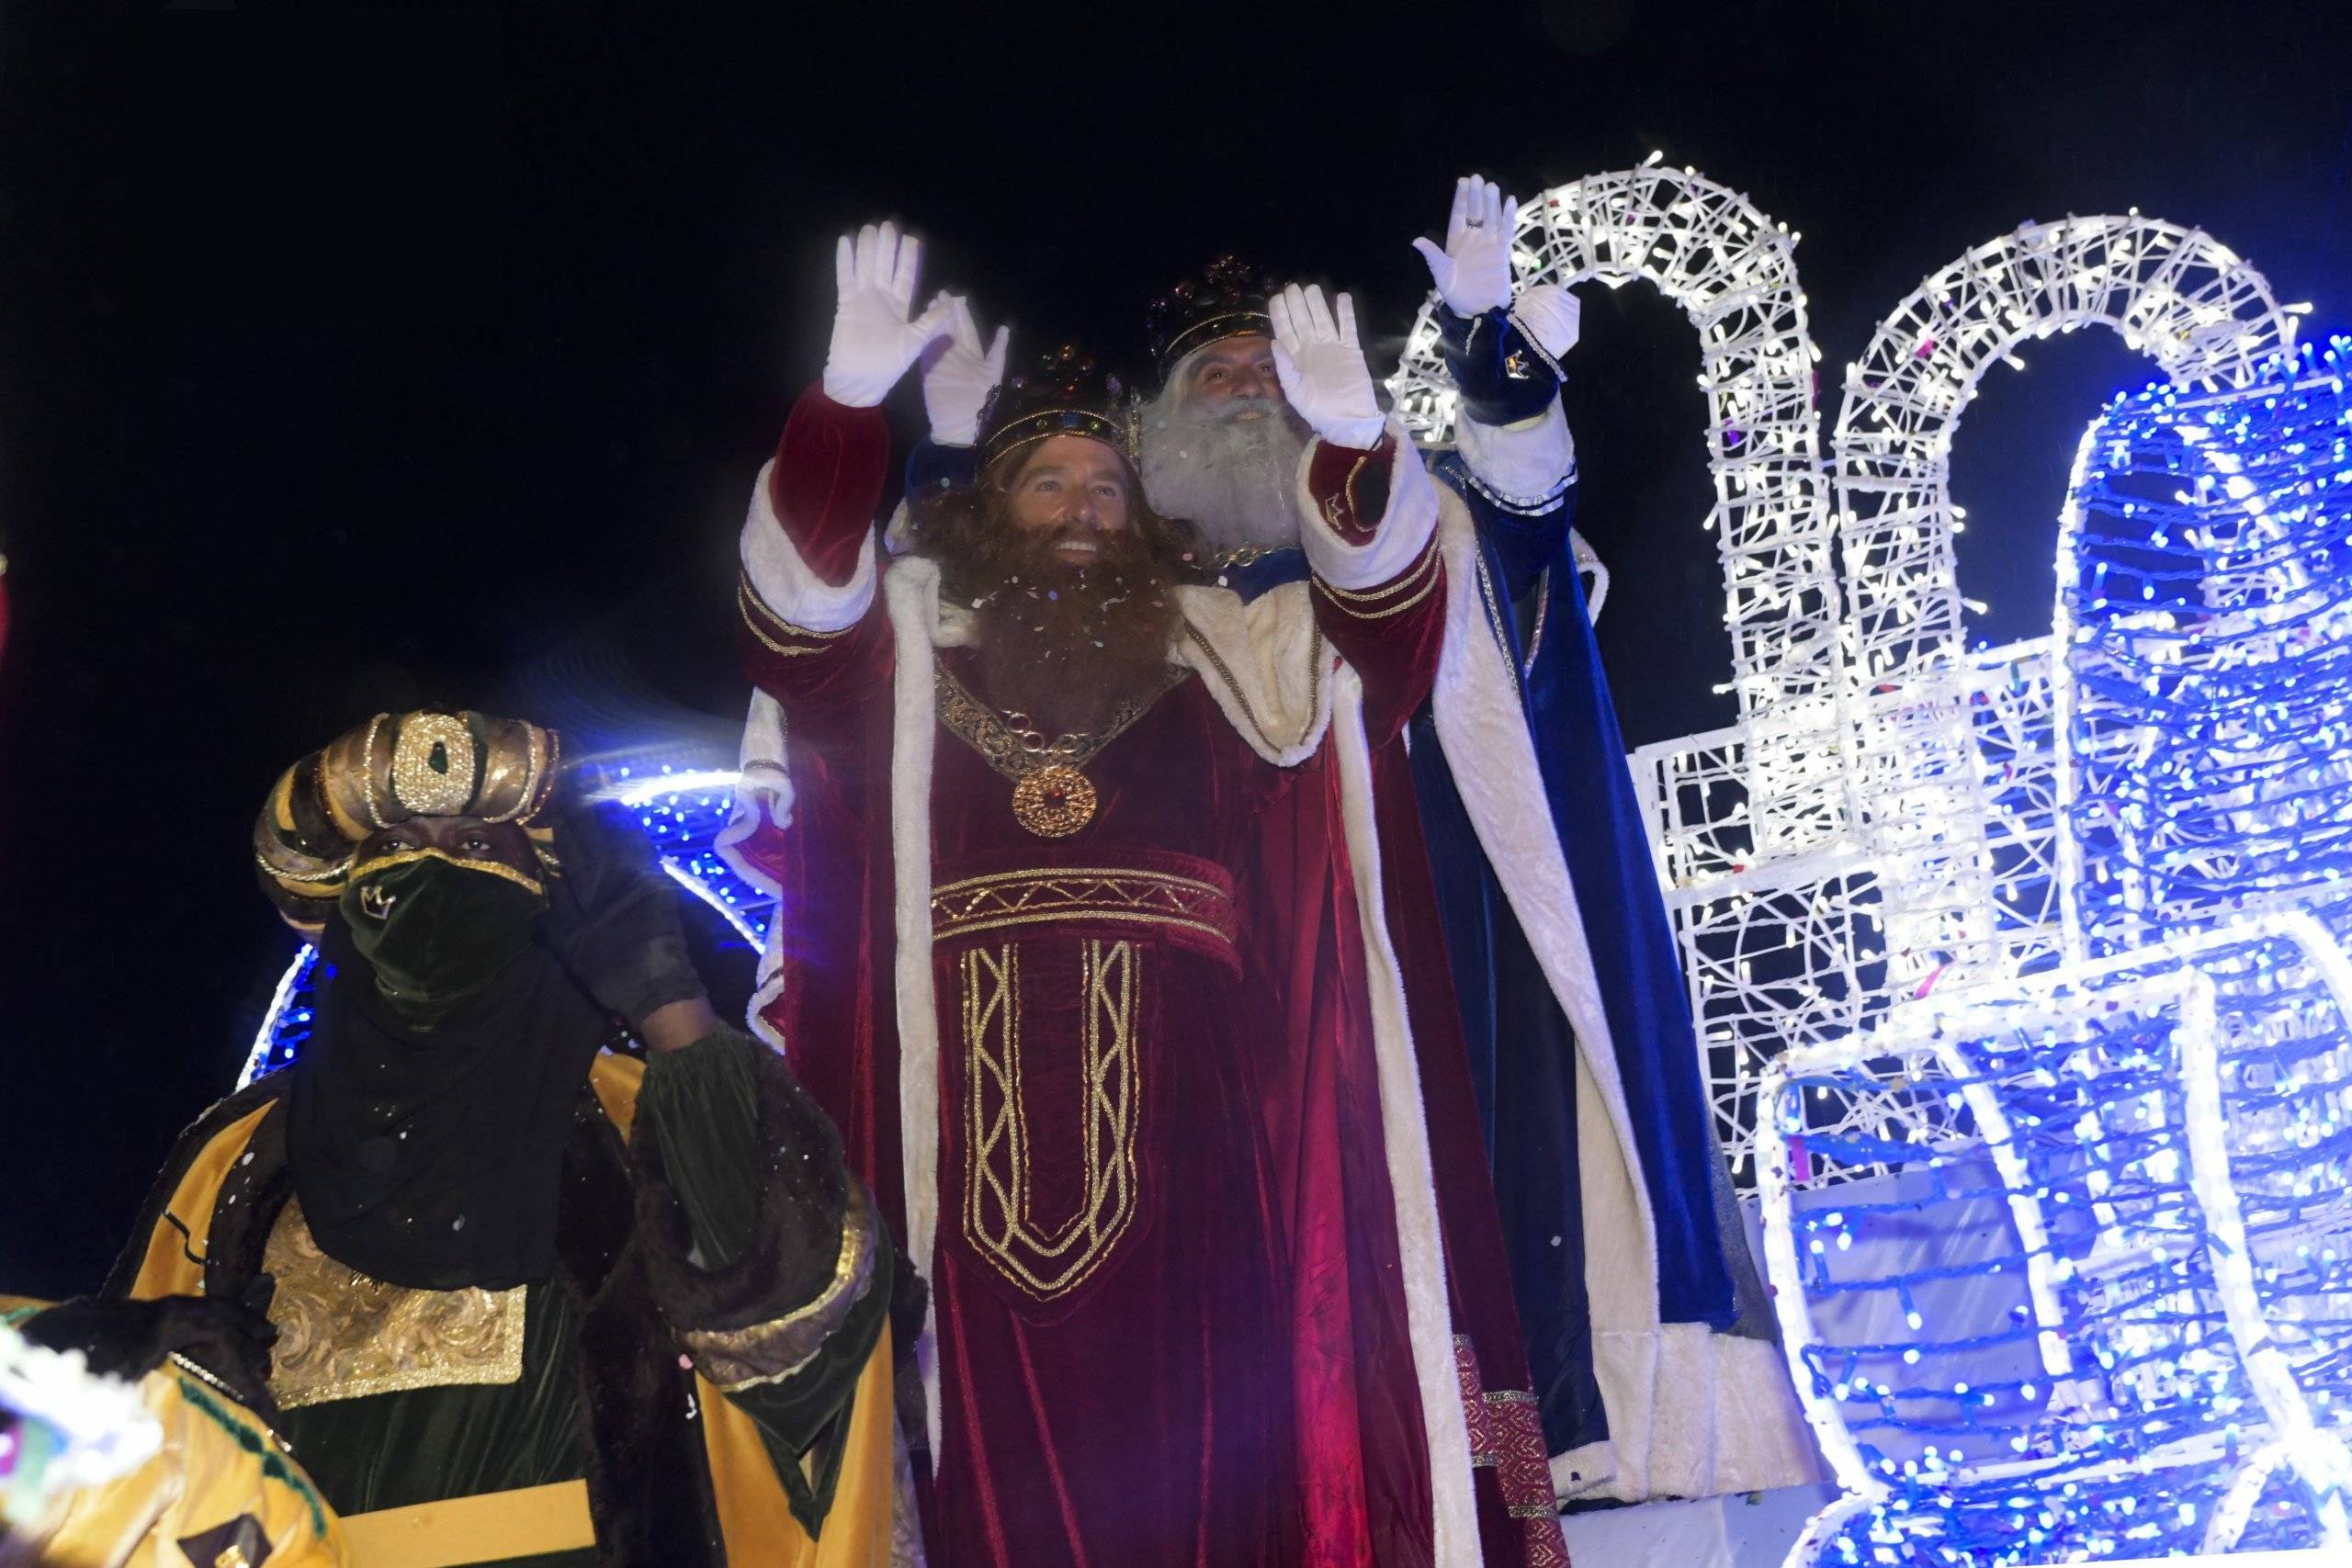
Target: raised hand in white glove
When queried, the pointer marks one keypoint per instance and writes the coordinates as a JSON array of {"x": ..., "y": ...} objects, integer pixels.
[
  {"x": 1321, "y": 366},
  {"x": 874, "y": 342},
  {"x": 958, "y": 374},
  {"x": 1472, "y": 273}
]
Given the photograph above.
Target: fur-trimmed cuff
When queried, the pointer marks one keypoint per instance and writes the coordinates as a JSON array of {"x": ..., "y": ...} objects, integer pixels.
[
  {"x": 768, "y": 1352},
  {"x": 799, "y": 1241},
  {"x": 1521, "y": 468},
  {"x": 785, "y": 585},
  {"x": 1329, "y": 526}
]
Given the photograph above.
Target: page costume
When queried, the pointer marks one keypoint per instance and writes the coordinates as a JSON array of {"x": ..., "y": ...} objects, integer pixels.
[{"x": 533, "y": 1300}]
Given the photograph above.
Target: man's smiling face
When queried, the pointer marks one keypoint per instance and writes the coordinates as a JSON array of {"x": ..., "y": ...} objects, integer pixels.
[{"x": 1070, "y": 493}]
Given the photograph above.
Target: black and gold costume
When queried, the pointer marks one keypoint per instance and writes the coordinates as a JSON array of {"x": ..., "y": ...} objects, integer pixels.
[{"x": 533, "y": 1300}]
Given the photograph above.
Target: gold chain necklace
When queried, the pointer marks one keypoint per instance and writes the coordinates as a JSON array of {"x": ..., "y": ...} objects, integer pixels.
[{"x": 1051, "y": 798}]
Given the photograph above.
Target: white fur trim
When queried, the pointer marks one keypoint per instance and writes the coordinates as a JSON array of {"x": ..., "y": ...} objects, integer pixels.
[
  {"x": 1521, "y": 460},
  {"x": 1263, "y": 673},
  {"x": 762, "y": 785},
  {"x": 1585, "y": 1471},
  {"x": 1690, "y": 1412},
  {"x": 1404, "y": 1133},
  {"x": 782, "y": 580},
  {"x": 1589, "y": 565},
  {"x": 760, "y": 782},
  {"x": 1404, "y": 528},
  {"x": 1708, "y": 1414},
  {"x": 1484, "y": 731},
  {"x": 912, "y": 593}
]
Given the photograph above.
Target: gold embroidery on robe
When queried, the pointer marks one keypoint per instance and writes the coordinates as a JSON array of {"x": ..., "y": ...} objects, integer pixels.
[
  {"x": 1025, "y": 897},
  {"x": 341, "y": 1335},
  {"x": 998, "y": 1186}
]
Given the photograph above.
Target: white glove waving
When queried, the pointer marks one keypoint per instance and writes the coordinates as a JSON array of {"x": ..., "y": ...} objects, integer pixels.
[
  {"x": 958, "y": 374},
  {"x": 1321, "y": 366},
  {"x": 1472, "y": 273},
  {"x": 875, "y": 272}
]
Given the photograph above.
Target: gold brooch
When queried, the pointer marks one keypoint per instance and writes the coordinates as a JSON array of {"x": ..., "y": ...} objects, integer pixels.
[{"x": 1054, "y": 801}]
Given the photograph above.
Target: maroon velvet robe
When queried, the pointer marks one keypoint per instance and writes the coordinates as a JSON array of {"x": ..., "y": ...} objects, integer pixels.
[{"x": 1167, "y": 1281}]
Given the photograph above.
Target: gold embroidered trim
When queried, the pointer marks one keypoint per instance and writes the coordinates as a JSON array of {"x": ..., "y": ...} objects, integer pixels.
[
  {"x": 1024, "y": 898},
  {"x": 334, "y": 873},
  {"x": 1424, "y": 573},
  {"x": 997, "y": 1186},
  {"x": 1027, "y": 898},
  {"x": 1225, "y": 673},
  {"x": 1422, "y": 565},
  {"x": 747, "y": 604},
  {"x": 343, "y": 1336},
  {"x": 418, "y": 787},
  {"x": 980, "y": 727},
  {"x": 738, "y": 1358},
  {"x": 467, "y": 863}
]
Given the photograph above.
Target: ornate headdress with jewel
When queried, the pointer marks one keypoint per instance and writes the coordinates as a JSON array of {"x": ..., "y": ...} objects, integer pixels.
[
  {"x": 1062, "y": 395},
  {"x": 1228, "y": 300},
  {"x": 394, "y": 767}
]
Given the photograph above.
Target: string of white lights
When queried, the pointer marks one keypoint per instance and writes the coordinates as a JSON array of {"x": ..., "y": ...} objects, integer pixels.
[{"x": 2179, "y": 296}]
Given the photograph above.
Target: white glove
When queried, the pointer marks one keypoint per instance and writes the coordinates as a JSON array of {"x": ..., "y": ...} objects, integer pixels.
[
  {"x": 873, "y": 340},
  {"x": 1472, "y": 273},
  {"x": 1550, "y": 315},
  {"x": 958, "y": 375},
  {"x": 1322, "y": 369}
]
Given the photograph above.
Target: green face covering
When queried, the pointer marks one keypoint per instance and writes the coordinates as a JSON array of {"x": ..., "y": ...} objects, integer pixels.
[{"x": 438, "y": 930}]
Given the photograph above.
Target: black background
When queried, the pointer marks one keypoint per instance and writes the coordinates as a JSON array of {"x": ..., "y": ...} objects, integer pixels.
[{"x": 351, "y": 358}]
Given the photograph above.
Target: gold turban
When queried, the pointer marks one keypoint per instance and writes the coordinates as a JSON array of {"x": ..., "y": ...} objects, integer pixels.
[{"x": 394, "y": 767}]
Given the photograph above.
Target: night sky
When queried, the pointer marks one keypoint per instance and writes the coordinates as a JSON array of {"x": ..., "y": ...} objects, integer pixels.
[{"x": 355, "y": 359}]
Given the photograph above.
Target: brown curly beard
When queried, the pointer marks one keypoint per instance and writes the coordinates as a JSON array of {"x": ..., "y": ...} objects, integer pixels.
[{"x": 1067, "y": 645}]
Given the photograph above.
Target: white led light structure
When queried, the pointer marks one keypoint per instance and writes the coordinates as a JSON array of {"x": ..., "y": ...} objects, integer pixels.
[{"x": 2179, "y": 296}]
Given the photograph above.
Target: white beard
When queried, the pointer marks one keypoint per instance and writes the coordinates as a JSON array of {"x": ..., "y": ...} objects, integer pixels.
[{"x": 1234, "y": 479}]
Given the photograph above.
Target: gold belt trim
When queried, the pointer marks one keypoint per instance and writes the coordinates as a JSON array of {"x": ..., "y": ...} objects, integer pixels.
[
  {"x": 481, "y": 1528},
  {"x": 1030, "y": 897}
]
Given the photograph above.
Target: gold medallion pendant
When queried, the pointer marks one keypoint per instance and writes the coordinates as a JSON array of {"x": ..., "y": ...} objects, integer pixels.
[{"x": 1054, "y": 801}]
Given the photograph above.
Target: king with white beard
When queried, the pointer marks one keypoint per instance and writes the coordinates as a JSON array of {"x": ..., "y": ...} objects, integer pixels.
[{"x": 1646, "y": 1336}]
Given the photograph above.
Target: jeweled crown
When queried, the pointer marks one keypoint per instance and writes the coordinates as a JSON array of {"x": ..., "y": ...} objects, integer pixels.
[
  {"x": 1227, "y": 300},
  {"x": 1063, "y": 394}
]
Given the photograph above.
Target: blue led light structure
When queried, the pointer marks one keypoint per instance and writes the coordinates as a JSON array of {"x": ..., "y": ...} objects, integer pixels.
[
  {"x": 2102, "y": 1308},
  {"x": 2035, "y": 1335},
  {"x": 2205, "y": 618},
  {"x": 682, "y": 809},
  {"x": 2205, "y": 772}
]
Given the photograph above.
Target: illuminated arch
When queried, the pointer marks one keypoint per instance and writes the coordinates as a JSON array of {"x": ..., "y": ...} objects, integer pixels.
[
  {"x": 1733, "y": 271},
  {"x": 2177, "y": 295}
]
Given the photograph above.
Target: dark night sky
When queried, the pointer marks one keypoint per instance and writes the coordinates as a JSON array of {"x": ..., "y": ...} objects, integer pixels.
[{"x": 350, "y": 359}]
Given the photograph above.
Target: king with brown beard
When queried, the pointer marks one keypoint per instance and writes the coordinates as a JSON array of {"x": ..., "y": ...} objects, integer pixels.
[
  {"x": 1067, "y": 570},
  {"x": 1085, "y": 945}
]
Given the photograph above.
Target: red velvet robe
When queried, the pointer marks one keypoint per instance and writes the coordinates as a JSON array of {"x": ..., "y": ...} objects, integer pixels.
[{"x": 1171, "y": 1327}]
